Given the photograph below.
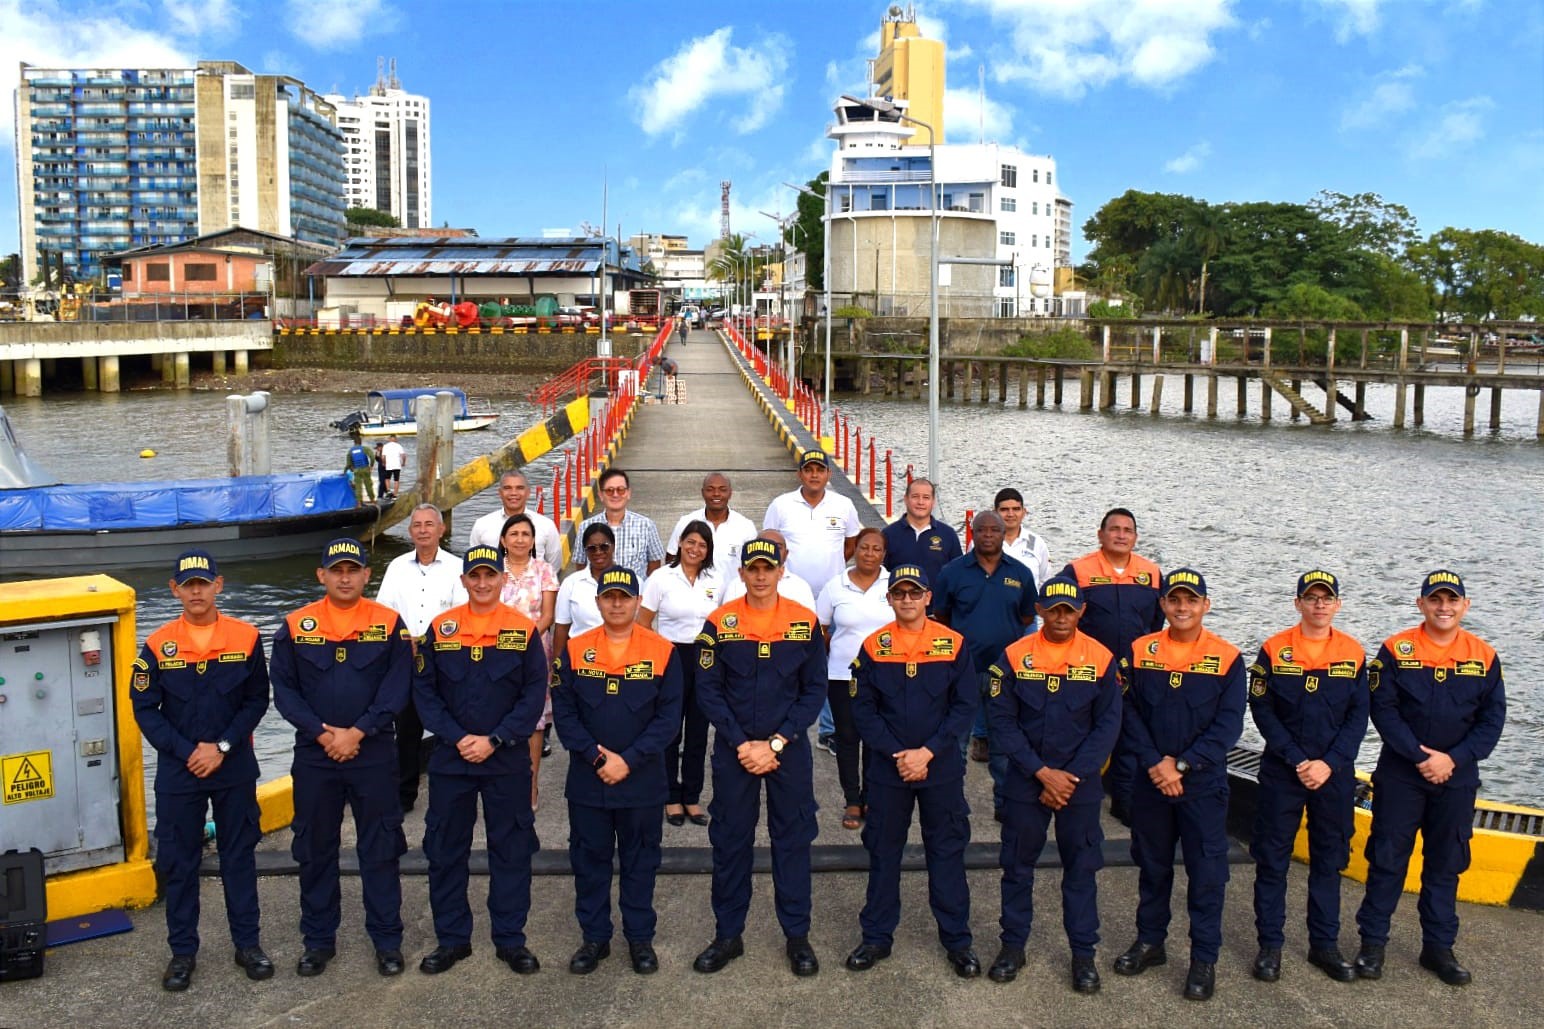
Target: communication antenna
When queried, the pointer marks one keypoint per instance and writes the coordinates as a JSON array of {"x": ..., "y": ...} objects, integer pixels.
[
  {"x": 981, "y": 100},
  {"x": 379, "y": 89},
  {"x": 393, "y": 79},
  {"x": 723, "y": 210}
]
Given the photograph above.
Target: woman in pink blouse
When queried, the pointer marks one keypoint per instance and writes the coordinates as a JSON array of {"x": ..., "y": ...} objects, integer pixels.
[{"x": 531, "y": 587}]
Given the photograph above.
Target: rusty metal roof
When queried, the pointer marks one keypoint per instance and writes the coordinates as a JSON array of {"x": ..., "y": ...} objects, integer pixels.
[{"x": 417, "y": 257}]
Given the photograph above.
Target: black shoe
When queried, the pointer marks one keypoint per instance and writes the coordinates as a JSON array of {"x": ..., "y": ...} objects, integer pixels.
[
  {"x": 1005, "y": 967},
  {"x": 546, "y": 742},
  {"x": 1332, "y": 964},
  {"x": 389, "y": 962},
  {"x": 866, "y": 955},
  {"x": 1441, "y": 961},
  {"x": 1267, "y": 964},
  {"x": 1369, "y": 962},
  {"x": 519, "y": 959},
  {"x": 718, "y": 954},
  {"x": 697, "y": 817},
  {"x": 179, "y": 973},
  {"x": 645, "y": 961},
  {"x": 965, "y": 963},
  {"x": 313, "y": 962},
  {"x": 443, "y": 959},
  {"x": 676, "y": 819},
  {"x": 1085, "y": 975},
  {"x": 589, "y": 956},
  {"x": 1139, "y": 957},
  {"x": 1200, "y": 981},
  {"x": 256, "y": 963},
  {"x": 801, "y": 956},
  {"x": 827, "y": 742}
]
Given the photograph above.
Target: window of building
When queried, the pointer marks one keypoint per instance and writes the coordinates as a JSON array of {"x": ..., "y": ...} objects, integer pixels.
[
  {"x": 1035, "y": 175},
  {"x": 1034, "y": 208},
  {"x": 1008, "y": 239},
  {"x": 1034, "y": 241},
  {"x": 1010, "y": 175},
  {"x": 243, "y": 91},
  {"x": 158, "y": 272},
  {"x": 128, "y": 272},
  {"x": 1009, "y": 204},
  {"x": 198, "y": 272},
  {"x": 1005, "y": 307},
  {"x": 977, "y": 203},
  {"x": 1048, "y": 178},
  {"x": 1006, "y": 276}
]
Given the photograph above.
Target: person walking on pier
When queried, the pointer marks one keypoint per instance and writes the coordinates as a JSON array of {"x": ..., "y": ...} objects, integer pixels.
[
  {"x": 913, "y": 694},
  {"x": 1055, "y": 706},
  {"x": 1439, "y": 702},
  {"x": 359, "y": 464},
  {"x": 1308, "y": 696},
  {"x": 342, "y": 668},
  {"x": 820, "y": 525},
  {"x": 918, "y": 538},
  {"x": 731, "y": 529},
  {"x": 480, "y": 680},
  {"x": 514, "y": 494},
  {"x": 618, "y": 705},
  {"x": 392, "y": 458},
  {"x": 200, "y": 686},
  {"x": 1184, "y": 709},
  {"x": 419, "y": 585},
  {"x": 760, "y": 680},
  {"x": 1121, "y": 591},
  {"x": 637, "y": 538}
]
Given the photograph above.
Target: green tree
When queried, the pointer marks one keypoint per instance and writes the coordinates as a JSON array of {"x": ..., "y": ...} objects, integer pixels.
[
  {"x": 1308, "y": 301},
  {"x": 1271, "y": 247},
  {"x": 1205, "y": 231},
  {"x": 1482, "y": 274},
  {"x": 370, "y": 216},
  {"x": 810, "y": 231},
  {"x": 1370, "y": 222},
  {"x": 10, "y": 272},
  {"x": 1163, "y": 275},
  {"x": 1388, "y": 290}
]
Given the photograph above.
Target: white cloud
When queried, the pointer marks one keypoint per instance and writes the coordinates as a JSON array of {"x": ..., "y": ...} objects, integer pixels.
[
  {"x": 1352, "y": 17},
  {"x": 333, "y": 26},
  {"x": 1190, "y": 160},
  {"x": 968, "y": 116},
  {"x": 708, "y": 67},
  {"x": 1393, "y": 95},
  {"x": 1067, "y": 47},
  {"x": 202, "y": 17},
  {"x": 1456, "y": 125}
]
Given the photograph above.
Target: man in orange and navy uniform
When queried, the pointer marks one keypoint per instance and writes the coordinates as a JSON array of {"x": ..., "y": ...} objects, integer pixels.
[
  {"x": 761, "y": 680},
  {"x": 1055, "y": 703},
  {"x": 480, "y": 683},
  {"x": 617, "y": 707},
  {"x": 1308, "y": 695},
  {"x": 1184, "y": 709},
  {"x": 914, "y": 694},
  {"x": 1120, "y": 589},
  {"x": 200, "y": 688},
  {"x": 1439, "y": 702},
  {"x": 342, "y": 668}
]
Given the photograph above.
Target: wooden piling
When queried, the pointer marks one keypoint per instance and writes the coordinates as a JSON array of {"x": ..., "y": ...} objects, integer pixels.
[
  {"x": 1190, "y": 393},
  {"x": 1469, "y": 398},
  {"x": 1002, "y": 382},
  {"x": 1024, "y": 385},
  {"x": 1107, "y": 391},
  {"x": 1265, "y": 400},
  {"x": 1495, "y": 409},
  {"x": 1086, "y": 394},
  {"x": 1420, "y": 405},
  {"x": 1136, "y": 391},
  {"x": 1157, "y": 394},
  {"x": 1243, "y": 395},
  {"x": 1359, "y": 409},
  {"x": 1297, "y": 385},
  {"x": 1211, "y": 395},
  {"x": 1399, "y": 405},
  {"x": 1057, "y": 387}
]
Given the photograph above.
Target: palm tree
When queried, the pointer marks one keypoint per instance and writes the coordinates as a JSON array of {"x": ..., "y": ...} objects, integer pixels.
[
  {"x": 1204, "y": 230},
  {"x": 727, "y": 260}
]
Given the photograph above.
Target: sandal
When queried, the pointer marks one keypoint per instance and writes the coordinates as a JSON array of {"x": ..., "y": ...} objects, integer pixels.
[{"x": 852, "y": 817}]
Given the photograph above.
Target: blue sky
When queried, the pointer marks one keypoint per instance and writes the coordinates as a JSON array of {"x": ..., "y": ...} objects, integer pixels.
[{"x": 1435, "y": 104}]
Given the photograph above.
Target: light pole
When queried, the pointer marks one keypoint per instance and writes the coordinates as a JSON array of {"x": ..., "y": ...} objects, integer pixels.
[
  {"x": 881, "y": 106},
  {"x": 783, "y": 225},
  {"x": 825, "y": 277}
]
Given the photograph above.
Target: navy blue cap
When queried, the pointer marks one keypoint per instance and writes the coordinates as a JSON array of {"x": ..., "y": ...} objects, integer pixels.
[
  {"x": 343, "y": 549},
  {"x": 908, "y": 573},
  {"x": 622, "y": 579},
  {"x": 195, "y": 564},
  {"x": 1061, "y": 591},
  {"x": 1183, "y": 579},
  {"x": 758, "y": 549},
  {"x": 482, "y": 557},
  {"x": 814, "y": 457},
  {"x": 1442, "y": 579},
  {"x": 1318, "y": 577}
]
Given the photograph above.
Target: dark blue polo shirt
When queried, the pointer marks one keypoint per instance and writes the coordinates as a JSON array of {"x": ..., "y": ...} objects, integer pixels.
[
  {"x": 930, "y": 549},
  {"x": 990, "y": 611}
]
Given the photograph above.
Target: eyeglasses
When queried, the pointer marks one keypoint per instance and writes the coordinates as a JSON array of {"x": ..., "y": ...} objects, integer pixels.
[
  {"x": 1318, "y": 601},
  {"x": 615, "y": 491},
  {"x": 907, "y": 594},
  {"x": 596, "y": 548}
]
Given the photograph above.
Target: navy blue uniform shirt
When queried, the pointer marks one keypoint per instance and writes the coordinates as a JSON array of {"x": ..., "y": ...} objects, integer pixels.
[{"x": 990, "y": 611}]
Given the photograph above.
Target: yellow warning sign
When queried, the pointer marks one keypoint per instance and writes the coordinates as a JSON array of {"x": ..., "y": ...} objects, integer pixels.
[{"x": 27, "y": 776}]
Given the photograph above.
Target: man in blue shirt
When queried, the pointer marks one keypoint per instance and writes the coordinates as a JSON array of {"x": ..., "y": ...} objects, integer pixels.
[
  {"x": 918, "y": 538},
  {"x": 989, "y": 598}
]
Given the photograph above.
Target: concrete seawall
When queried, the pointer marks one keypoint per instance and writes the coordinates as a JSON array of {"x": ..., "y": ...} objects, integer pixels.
[{"x": 547, "y": 353}]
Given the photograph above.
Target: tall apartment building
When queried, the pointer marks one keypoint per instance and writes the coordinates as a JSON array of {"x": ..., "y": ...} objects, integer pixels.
[
  {"x": 910, "y": 68},
  {"x": 386, "y": 140},
  {"x": 109, "y": 159}
]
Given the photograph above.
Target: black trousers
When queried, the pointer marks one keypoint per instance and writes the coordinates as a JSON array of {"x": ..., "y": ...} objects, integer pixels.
[
  {"x": 849, "y": 764},
  {"x": 686, "y": 757}
]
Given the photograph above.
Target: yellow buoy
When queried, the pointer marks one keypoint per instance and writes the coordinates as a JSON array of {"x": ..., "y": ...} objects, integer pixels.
[{"x": 147, "y": 452}]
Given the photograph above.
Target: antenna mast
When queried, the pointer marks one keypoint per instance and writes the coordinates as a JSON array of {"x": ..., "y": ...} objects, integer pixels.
[{"x": 723, "y": 210}]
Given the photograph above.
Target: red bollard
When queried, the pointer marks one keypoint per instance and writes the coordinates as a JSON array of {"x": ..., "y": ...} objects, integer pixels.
[
  {"x": 889, "y": 487},
  {"x": 908, "y": 477},
  {"x": 970, "y": 516},
  {"x": 856, "y": 453},
  {"x": 873, "y": 451},
  {"x": 557, "y": 491}
]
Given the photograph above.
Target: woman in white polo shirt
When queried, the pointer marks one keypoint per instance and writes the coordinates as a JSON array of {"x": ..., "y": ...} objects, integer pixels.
[
  {"x": 852, "y": 606},
  {"x": 677, "y": 599}
]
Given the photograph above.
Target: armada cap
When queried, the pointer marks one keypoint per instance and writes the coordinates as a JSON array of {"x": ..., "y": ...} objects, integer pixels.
[
  {"x": 623, "y": 580},
  {"x": 195, "y": 564},
  {"x": 1318, "y": 577},
  {"x": 1184, "y": 579},
  {"x": 1443, "y": 579},
  {"x": 1061, "y": 591},
  {"x": 768, "y": 551},
  {"x": 481, "y": 557},
  {"x": 814, "y": 457},
  {"x": 343, "y": 549},
  {"x": 909, "y": 573}
]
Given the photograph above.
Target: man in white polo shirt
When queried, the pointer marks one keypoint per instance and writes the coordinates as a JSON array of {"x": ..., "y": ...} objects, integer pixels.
[
  {"x": 514, "y": 491},
  {"x": 731, "y": 529},
  {"x": 418, "y": 585},
  {"x": 821, "y": 526}
]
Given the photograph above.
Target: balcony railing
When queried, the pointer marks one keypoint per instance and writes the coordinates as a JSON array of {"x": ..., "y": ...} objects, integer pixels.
[{"x": 861, "y": 177}]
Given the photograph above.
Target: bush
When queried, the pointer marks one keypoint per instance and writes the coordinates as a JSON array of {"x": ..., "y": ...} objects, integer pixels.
[
  {"x": 852, "y": 312},
  {"x": 1066, "y": 344},
  {"x": 1104, "y": 309}
]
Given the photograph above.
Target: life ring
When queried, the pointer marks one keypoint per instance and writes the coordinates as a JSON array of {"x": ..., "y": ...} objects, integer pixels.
[{"x": 1473, "y": 389}]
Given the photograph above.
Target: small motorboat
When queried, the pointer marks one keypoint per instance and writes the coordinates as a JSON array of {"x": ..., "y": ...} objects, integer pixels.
[{"x": 393, "y": 412}]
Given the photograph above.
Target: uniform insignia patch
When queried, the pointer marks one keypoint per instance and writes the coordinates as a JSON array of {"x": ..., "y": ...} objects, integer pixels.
[
  {"x": 1176, "y": 679},
  {"x": 798, "y": 632},
  {"x": 1342, "y": 669},
  {"x": 731, "y": 621},
  {"x": 589, "y": 656},
  {"x": 141, "y": 681},
  {"x": 1312, "y": 685},
  {"x": 1028, "y": 661},
  {"x": 308, "y": 624},
  {"x": 1152, "y": 648},
  {"x": 418, "y": 663},
  {"x": 640, "y": 670},
  {"x": 1440, "y": 674},
  {"x": 763, "y": 650},
  {"x": 1082, "y": 673},
  {"x": 942, "y": 645},
  {"x": 997, "y": 686},
  {"x": 1053, "y": 684},
  {"x": 852, "y": 687},
  {"x": 1016, "y": 584},
  {"x": 512, "y": 639},
  {"x": 1469, "y": 668},
  {"x": 885, "y": 640},
  {"x": 936, "y": 543},
  {"x": 232, "y": 657},
  {"x": 911, "y": 669},
  {"x": 1257, "y": 669},
  {"x": 705, "y": 658},
  {"x": 340, "y": 655},
  {"x": 1284, "y": 655},
  {"x": 1099, "y": 580},
  {"x": 448, "y": 627},
  {"x": 1142, "y": 578},
  {"x": 1257, "y": 687},
  {"x": 172, "y": 664},
  {"x": 613, "y": 687},
  {"x": 169, "y": 648},
  {"x": 1405, "y": 648},
  {"x": 477, "y": 653},
  {"x": 374, "y": 634},
  {"x": 201, "y": 667},
  {"x": 139, "y": 663},
  {"x": 1210, "y": 663}
]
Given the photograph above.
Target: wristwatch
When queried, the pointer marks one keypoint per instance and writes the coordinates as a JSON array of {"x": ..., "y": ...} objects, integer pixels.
[
  {"x": 495, "y": 741},
  {"x": 777, "y": 743},
  {"x": 600, "y": 759},
  {"x": 1182, "y": 766},
  {"x": 224, "y": 746}
]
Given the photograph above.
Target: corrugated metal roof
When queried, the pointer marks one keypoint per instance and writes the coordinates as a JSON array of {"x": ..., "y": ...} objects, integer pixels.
[
  {"x": 405, "y": 267},
  {"x": 459, "y": 255}
]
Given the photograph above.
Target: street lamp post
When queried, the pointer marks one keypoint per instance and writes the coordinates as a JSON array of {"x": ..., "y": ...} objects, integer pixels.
[{"x": 825, "y": 276}]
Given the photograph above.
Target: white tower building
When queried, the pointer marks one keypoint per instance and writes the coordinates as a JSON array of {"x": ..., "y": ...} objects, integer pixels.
[{"x": 386, "y": 133}]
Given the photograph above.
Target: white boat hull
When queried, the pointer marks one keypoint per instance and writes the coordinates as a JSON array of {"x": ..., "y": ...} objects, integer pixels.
[{"x": 411, "y": 428}]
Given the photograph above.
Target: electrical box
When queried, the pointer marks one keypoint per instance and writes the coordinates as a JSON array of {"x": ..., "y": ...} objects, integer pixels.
[{"x": 59, "y": 787}]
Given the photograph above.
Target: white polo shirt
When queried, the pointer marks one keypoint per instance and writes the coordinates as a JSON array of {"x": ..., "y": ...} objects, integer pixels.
[
  {"x": 549, "y": 545},
  {"x": 852, "y": 615},
  {"x": 817, "y": 535},
  {"x": 576, "y": 606},
  {"x": 789, "y": 587},
  {"x": 728, "y": 538},
  {"x": 679, "y": 605},
  {"x": 1031, "y": 551},
  {"x": 418, "y": 592}
]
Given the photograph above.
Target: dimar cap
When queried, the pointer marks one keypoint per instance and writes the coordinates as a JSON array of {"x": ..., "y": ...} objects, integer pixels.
[
  {"x": 755, "y": 550},
  {"x": 195, "y": 564},
  {"x": 1184, "y": 579},
  {"x": 624, "y": 580},
  {"x": 1443, "y": 579},
  {"x": 1061, "y": 591},
  {"x": 343, "y": 549},
  {"x": 909, "y": 573},
  {"x": 481, "y": 557},
  {"x": 814, "y": 457},
  {"x": 1318, "y": 577}
]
